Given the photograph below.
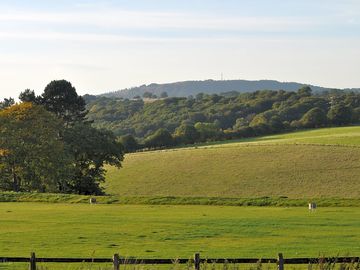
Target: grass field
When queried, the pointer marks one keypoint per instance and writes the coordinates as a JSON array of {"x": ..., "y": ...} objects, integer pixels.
[
  {"x": 349, "y": 136},
  {"x": 334, "y": 136},
  {"x": 318, "y": 163},
  {"x": 172, "y": 200},
  {"x": 322, "y": 164},
  {"x": 71, "y": 230}
]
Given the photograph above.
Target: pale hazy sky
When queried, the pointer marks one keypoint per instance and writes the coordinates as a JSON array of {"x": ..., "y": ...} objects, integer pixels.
[{"x": 108, "y": 45}]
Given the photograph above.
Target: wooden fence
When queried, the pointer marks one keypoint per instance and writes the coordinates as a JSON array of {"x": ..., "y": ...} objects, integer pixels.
[{"x": 116, "y": 260}]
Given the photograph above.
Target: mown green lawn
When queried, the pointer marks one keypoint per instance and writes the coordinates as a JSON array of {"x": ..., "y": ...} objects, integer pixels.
[{"x": 71, "y": 230}]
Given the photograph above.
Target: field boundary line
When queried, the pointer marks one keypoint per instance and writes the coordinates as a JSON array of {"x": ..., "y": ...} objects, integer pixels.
[{"x": 116, "y": 260}]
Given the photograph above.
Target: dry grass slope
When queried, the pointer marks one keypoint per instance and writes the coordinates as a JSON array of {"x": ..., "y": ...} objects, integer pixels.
[{"x": 316, "y": 163}]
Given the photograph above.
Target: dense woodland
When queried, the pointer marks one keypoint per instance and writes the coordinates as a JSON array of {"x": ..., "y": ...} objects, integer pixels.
[
  {"x": 48, "y": 145},
  {"x": 164, "y": 122}
]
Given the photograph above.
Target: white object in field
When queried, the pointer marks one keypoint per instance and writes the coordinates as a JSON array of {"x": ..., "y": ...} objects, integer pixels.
[
  {"x": 92, "y": 200},
  {"x": 312, "y": 206}
]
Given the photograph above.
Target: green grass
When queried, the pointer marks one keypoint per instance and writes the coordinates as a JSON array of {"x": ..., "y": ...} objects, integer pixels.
[
  {"x": 72, "y": 230},
  {"x": 321, "y": 165},
  {"x": 52, "y": 198},
  {"x": 332, "y": 136},
  {"x": 163, "y": 204},
  {"x": 240, "y": 170},
  {"x": 176, "y": 266},
  {"x": 348, "y": 136},
  {"x": 172, "y": 200}
]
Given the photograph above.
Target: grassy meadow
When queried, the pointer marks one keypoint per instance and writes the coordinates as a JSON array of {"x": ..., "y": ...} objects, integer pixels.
[
  {"x": 73, "y": 230},
  {"x": 318, "y": 163},
  {"x": 333, "y": 136},
  {"x": 348, "y": 136},
  {"x": 163, "y": 204}
]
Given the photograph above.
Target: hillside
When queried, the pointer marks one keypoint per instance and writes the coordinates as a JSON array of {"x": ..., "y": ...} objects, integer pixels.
[
  {"x": 217, "y": 117},
  {"x": 186, "y": 88},
  {"x": 316, "y": 163}
]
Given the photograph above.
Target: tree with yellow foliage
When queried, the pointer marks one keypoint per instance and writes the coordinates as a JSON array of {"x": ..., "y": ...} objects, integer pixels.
[{"x": 31, "y": 153}]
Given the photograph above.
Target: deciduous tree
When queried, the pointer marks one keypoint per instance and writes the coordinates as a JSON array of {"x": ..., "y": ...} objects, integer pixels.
[
  {"x": 91, "y": 149},
  {"x": 60, "y": 97},
  {"x": 129, "y": 143},
  {"x": 339, "y": 114},
  {"x": 314, "y": 118},
  {"x": 7, "y": 102},
  {"x": 32, "y": 154},
  {"x": 160, "y": 138}
]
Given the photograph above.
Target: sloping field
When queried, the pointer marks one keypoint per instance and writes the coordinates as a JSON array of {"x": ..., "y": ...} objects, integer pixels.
[
  {"x": 316, "y": 163},
  {"x": 349, "y": 136}
]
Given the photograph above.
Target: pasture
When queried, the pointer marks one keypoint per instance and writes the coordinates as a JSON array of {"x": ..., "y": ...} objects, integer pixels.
[
  {"x": 79, "y": 230},
  {"x": 322, "y": 163},
  {"x": 349, "y": 136}
]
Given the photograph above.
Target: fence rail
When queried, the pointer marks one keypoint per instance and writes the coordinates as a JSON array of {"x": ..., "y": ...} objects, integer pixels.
[{"x": 116, "y": 260}]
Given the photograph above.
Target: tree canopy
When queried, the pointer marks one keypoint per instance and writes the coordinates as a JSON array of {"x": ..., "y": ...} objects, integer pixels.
[
  {"x": 225, "y": 116},
  {"x": 47, "y": 144},
  {"x": 129, "y": 143},
  {"x": 91, "y": 149},
  {"x": 161, "y": 137},
  {"x": 340, "y": 114},
  {"x": 7, "y": 102},
  {"x": 33, "y": 156},
  {"x": 314, "y": 118}
]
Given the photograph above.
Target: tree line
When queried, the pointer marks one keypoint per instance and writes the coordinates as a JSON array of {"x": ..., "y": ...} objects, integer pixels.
[
  {"x": 179, "y": 121},
  {"x": 47, "y": 144}
]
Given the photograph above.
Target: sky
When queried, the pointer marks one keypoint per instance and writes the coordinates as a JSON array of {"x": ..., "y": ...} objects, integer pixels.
[{"x": 102, "y": 46}]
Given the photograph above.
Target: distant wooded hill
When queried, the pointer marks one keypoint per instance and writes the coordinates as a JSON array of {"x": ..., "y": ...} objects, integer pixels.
[
  {"x": 187, "y": 88},
  {"x": 208, "y": 117}
]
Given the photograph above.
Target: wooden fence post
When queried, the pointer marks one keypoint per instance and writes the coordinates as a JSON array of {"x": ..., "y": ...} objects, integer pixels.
[
  {"x": 116, "y": 261},
  {"x": 280, "y": 262},
  {"x": 32, "y": 261},
  {"x": 197, "y": 261}
]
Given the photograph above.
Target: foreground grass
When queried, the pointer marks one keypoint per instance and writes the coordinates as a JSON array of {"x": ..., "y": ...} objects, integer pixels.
[
  {"x": 74, "y": 230},
  {"x": 206, "y": 266},
  {"x": 257, "y": 266}
]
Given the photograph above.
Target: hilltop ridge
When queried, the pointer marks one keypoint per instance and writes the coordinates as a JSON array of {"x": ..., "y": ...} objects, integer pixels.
[{"x": 187, "y": 88}]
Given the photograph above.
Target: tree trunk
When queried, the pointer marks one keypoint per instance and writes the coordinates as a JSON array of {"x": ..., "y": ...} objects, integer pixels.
[{"x": 15, "y": 180}]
